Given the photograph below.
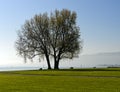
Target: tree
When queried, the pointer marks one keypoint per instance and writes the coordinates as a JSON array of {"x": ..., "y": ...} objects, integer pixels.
[
  {"x": 33, "y": 38},
  {"x": 65, "y": 36},
  {"x": 55, "y": 36}
]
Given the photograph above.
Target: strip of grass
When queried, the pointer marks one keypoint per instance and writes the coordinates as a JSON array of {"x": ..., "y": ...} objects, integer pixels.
[
  {"x": 106, "y": 72},
  {"x": 60, "y": 81}
]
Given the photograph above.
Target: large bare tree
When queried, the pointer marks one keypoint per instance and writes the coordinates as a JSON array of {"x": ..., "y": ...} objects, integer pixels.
[
  {"x": 65, "y": 36},
  {"x": 55, "y": 36},
  {"x": 33, "y": 38}
]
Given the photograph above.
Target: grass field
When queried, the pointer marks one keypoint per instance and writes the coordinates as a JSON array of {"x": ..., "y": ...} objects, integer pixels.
[{"x": 76, "y": 80}]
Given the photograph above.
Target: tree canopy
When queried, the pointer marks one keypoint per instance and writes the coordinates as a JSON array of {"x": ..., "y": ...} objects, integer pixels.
[{"x": 56, "y": 36}]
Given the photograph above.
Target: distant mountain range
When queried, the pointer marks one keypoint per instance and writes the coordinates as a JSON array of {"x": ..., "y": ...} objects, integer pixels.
[
  {"x": 109, "y": 53},
  {"x": 105, "y": 58},
  {"x": 103, "y": 54}
]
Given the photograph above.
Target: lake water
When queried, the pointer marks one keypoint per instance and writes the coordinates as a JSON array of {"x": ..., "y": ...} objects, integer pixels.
[
  {"x": 84, "y": 61},
  {"x": 18, "y": 68}
]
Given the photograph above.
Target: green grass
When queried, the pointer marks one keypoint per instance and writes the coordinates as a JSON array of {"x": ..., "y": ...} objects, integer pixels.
[{"x": 76, "y": 80}]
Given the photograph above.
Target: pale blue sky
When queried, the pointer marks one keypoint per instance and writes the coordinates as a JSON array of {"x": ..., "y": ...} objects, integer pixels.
[{"x": 99, "y": 21}]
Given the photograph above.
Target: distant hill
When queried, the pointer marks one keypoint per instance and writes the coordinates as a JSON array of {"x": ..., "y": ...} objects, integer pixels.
[
  {"x": 106, "y": 58},
  {"x": 96, "y": 60},
  {"x": 108, "y": 53}
]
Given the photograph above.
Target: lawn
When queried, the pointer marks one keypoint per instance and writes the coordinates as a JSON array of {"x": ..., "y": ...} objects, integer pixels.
[{"x": 76, "y": 80}]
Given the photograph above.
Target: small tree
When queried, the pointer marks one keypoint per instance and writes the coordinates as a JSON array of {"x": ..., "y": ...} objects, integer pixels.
[{"x": 57, "y": 36}]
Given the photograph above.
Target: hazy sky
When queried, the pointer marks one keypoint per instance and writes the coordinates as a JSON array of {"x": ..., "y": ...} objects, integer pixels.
[{"x": 99, "y": 21}]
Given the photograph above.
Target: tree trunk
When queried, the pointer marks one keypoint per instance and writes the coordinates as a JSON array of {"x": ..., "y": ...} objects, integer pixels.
[
  {"x": 48, "y": 61},
  {"x": 56, "y": 64},
  {"x": 56, "y": 60}
]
